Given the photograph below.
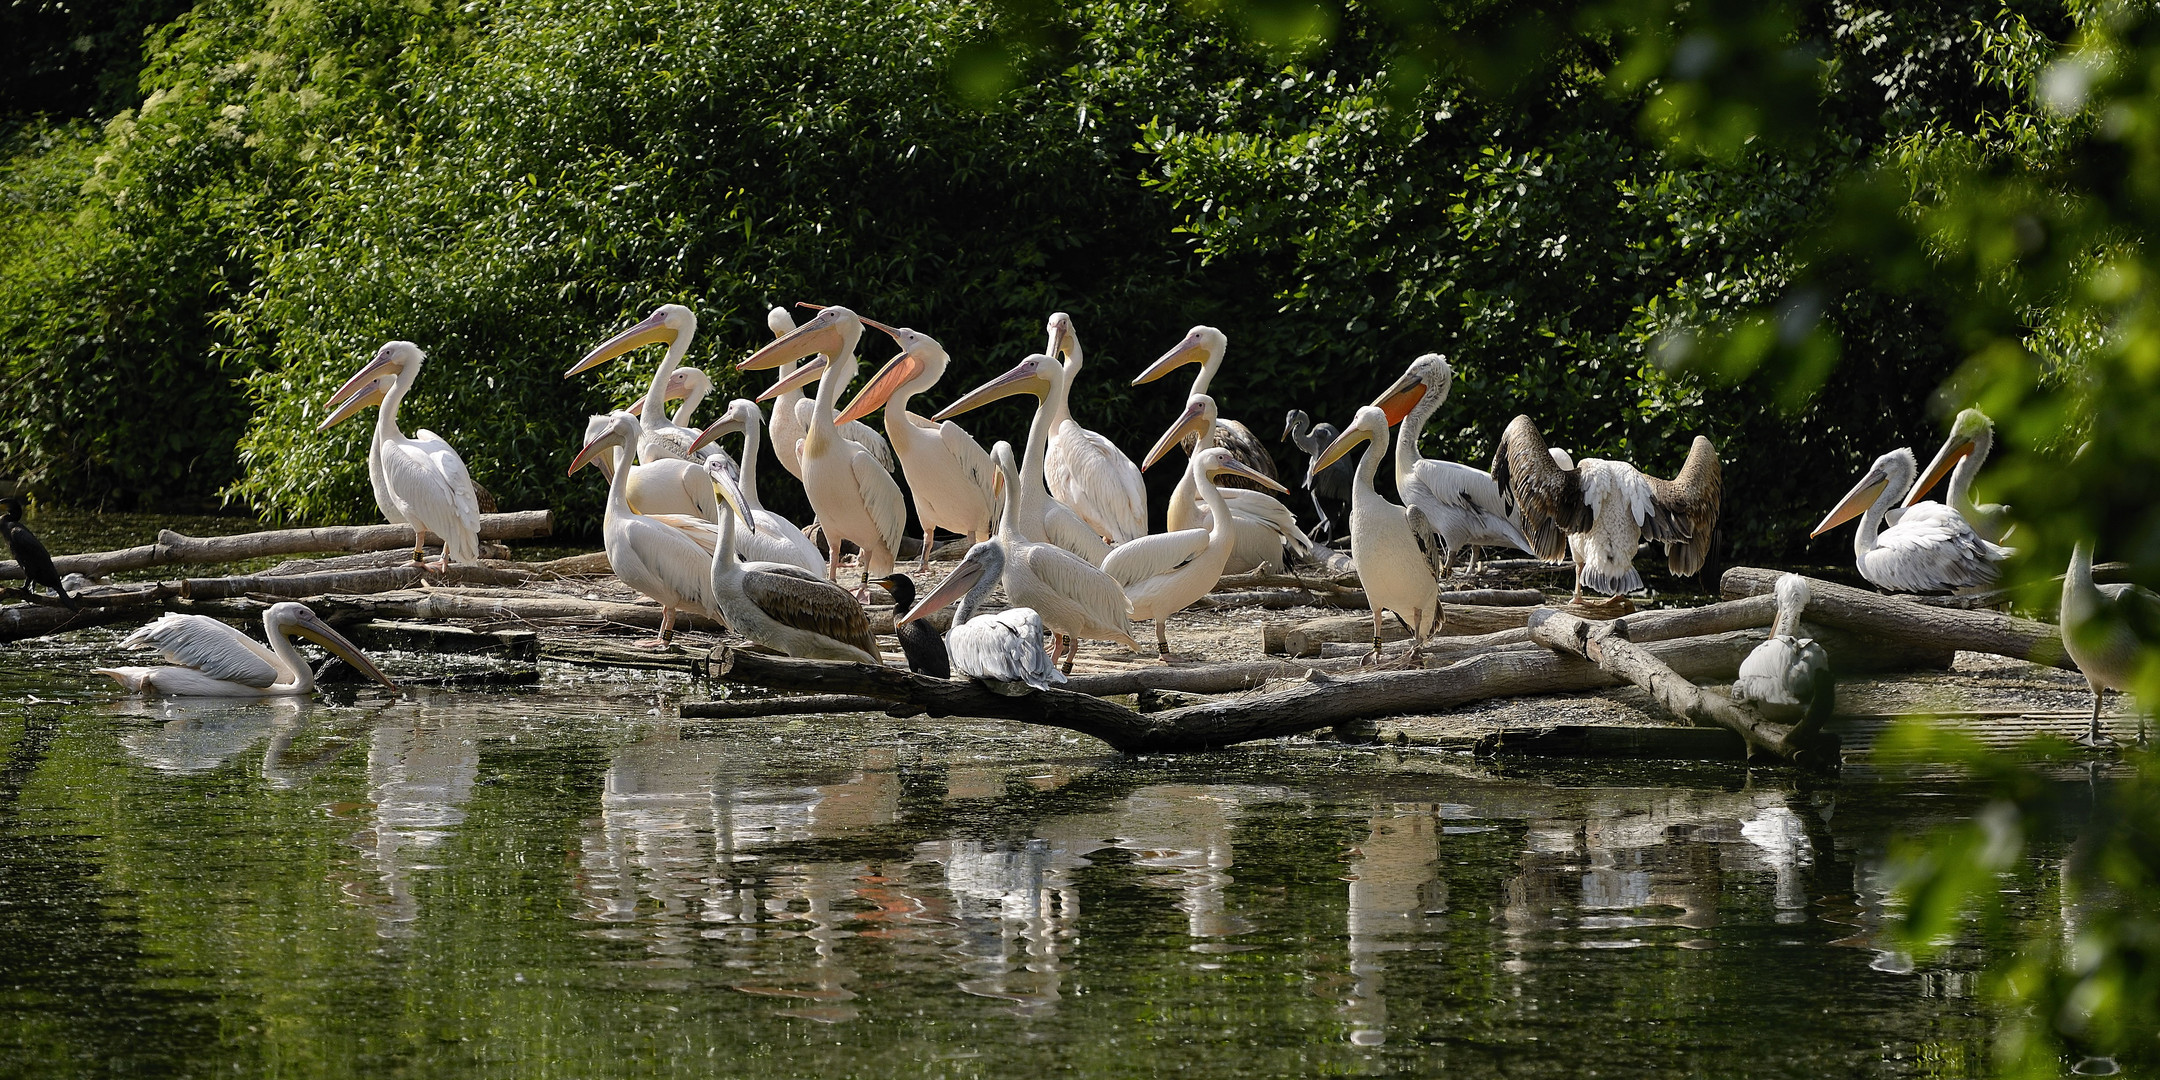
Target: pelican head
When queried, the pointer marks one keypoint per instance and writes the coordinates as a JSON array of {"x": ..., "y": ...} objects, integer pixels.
[
  {"x": 373, "y": 395},
  {"x": 294, "y": 618},
  {"x": 1793, "y": 591},
  {"x": 669, "y": 323},
  {"x": 681, "y": 383},
  {"x": 779, "y": 322},
  {"x": 986, "y": 559},
  {"x": 828, "y": 331},
  {"x": 1197, "y": 419},
  {"x": 1972, "y": 433},
  {"x": 727, "y": 487},
  {"x": 1037, "y": 375},
  {"x": 1429, "y": 373},
  {"x": 616, "y": 429},
  {"x": 1203, "y": 345},
  {"x": 1369, "y": 425},
  {"x": 1063, "y": 341},
  {"x": 740, "y": 413},
  {"x": 921, "y": 357},
  {"x": 1889, "y": 472},
  {"x": 394, "y": 359},
  {"x": 1217, "y": 460},
  {"x": 798, "y": 378}
]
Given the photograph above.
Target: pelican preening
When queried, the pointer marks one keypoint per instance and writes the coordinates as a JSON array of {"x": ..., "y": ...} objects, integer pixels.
[
  {"x": 1787, "y": 678},
  {"x": 1205, "y": 345},
  {"x": 1003, "y": 651},
  {"x": 1599, "y": 511},
  {"x": 1083, "y": 469},
  {"x": 779, "y": 606},
  {"x": 1972, "y": 435},
  {"x": 948, "y": 472},
  {"x": 776, "y": 539},
  {"x": 30, "y": 553},
  {"x": 1165, "y": 573},
  {"x": 1399, "y": 553},
  {"x": 1329, "y": 486},
  {"x": 1463, "y": 503},
  {"x": 2104, "y": 628},
  {"x": 649, "y": 553},
  {"x": 421, "y": 478},
  {"x": 1267, "y": 532},
  {"x": 1930, "y": 549},
  {"x": 211, "y": 659}
]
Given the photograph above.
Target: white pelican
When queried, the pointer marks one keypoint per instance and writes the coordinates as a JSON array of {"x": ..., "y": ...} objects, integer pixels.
[
  {"x": 658, "y": 437},
  {"x": 854, "y": 497},
  {"x": 670, "y": 486},
  {"x": 1787, "y": 678},
  {"x": 1930, "y": 549},
  {"x": 791, "y": 413},
  {"x": 774, "y": 538},
  {"x": 373, "y": 395},
  {"x": 1205, "y": 345},
  {"x": 425, "y": 480},
  {"x": 2104, "y": 628},
  {"x": 1399, "y": 554},
  {"x": 1329, "y": 486},
  {"x": 947, "y": 471},
  {"x": 1042, "y": 518},
  {"x": 780, "y": 606},
  {"x": 650, "y": 554},
  {"x": 1462, "y": 502},
  {"x": 1267, "y": 532},
  {"x": 1083, "y": 469},
  {"x": 1074, "y": 597},
  {"x": 1164, "y": 573},
  {"x": 215, "y": 660},
  {"x": 1003, "y": 651},
  {"x": 1602, "y": 509},
  {"x": 1972, "y": 434}
]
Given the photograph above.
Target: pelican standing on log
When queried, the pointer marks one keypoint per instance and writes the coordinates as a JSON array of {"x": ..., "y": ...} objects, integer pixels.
[
  {"x": 211, "y": 659},
  {"x": 1462, "y": 502},
  {"x": 1787, "y": 678},
  {"x": 1083, "y": 469},
  {"x": 1399, "y": 553},
  {"x": 1329, "y": 486},
  {"x": 1205, "y": 346},
  {"x": 1930, "y": 549},
  {"x": 2104, "y": 629},
  {"x": 779, "y": 606},
  {"x": 947, "y": 471},
  {"x": 1003, "y": 650},
  {"x": 854, "y": 497},
  {"x": 1267, "y": 532},
  {"x": 648, "y": 553},
  {"x": 1042, "y": 518},
  {"x": 791, "y": 412},
  {"x": 1600, "y": 510},
  {"x": 424, "y": 479},
  {"x": 1165, "y": 573},
  {"x": 1972, "y": 435},
  {"x": 774, "y": 538}
]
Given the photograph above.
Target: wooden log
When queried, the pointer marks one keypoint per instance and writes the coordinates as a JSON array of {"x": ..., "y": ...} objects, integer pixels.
[
  {"x": 442, "y": 638},
  {"x": 174, "y": 548},
  {"x": 503, "y": 606},
  {"x": 1607, "y": 645},
  {"x": 1456, "y": 620},
  {"x": 1895, "y": 618},
  {"x": 1278, "y": 599},
  {"x": 753, "y": 708},
  {"x": 607, "y": 654},
  {"x": 349, "y": 582},
  {"x": 593, "y": 564}
]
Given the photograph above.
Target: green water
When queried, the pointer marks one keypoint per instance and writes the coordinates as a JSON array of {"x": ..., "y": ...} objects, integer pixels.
[{"x": 566, "y": 882}]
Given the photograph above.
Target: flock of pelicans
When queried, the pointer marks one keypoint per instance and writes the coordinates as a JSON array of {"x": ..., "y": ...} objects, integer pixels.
[{"x": 1064, "y": 530}]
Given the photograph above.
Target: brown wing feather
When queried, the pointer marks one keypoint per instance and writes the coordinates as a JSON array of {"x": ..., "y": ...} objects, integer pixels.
[
  {"x": 1548, "y": 498},
  {"x": 1686, "y": 509},
  {"x": 1243, "y": 445},
  {"x": 816, "y": 605}
]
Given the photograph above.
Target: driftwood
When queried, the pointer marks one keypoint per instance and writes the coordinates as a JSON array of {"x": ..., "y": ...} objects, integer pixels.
[
  {"x": 387, "y": 579},
  {"x": 1894, "y": 618},
  {"x": 757, "y": 707},
  {"x": 1278, "y": 599},
  {"x": 1607, "y": 645},
  {"x": 174, "y": 548},
  {"x": 502, "y": 605},
  {"x": 439, "y": 638},
  {"x": 1456, "y": 620}
]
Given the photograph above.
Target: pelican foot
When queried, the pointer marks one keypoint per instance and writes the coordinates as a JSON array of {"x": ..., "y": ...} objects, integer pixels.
[
  {"x": 652, "y": 643},
  {"x": 2098, "y": 740}
]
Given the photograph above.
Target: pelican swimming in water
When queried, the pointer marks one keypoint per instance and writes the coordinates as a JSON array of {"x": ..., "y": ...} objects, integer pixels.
[
  {"x": 1083, "y": 469},
  {"x": 1930, "y": 549},
  {"x": 1464, "y": 503},
  {"x": 1787, "y": 678},
  {"x": 1205, "y": 346},
  {"x": 2105, "y": 629},
  {"x": 1001, "y": 650},
  {"x": 775, "y": 539},
  {"x": 211, "y": 659},
  {"x": 658, "y": 436},
  {"x": 1267, "y": 532},
  {"x": 1600, "y": 510},
  {"x": 1164, "y": 573},
  {"x": 791, "y": 413},
  {"x": 649, "y": 553},
  {"x": 1042, "y": 517},
  {"x": 1329, "y": 486},
  {"x": 422, "y": 478},
  {"x": 1399, "y": 554},
  {"x": 947, "y": 471},
  {"x": 779, "y": 606},
  {"x": 1972, "y": 435}
]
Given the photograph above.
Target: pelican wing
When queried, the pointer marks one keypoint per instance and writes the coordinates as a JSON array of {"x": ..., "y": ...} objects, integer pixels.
[
  {"x": 1429, "y": 542},
  {"x": 664, "y": 554},
  {"x": 1684, "y": 509},
  {"x": 1135, "y": 561},
  {"x": 1090, "y": 474},
  {"x": 1548, "y": 499},
  {"x": 810, "y": 604},
  {"x": 1464, "y": 504},
  {"x": 1003, "y": 648},
  {"x": 1066, "y": 529},
  {"x": 881, "y": 496},
  {"x": 211, "y": 647},
  {"x": 1931, "y": 549},
  {"x": 1266, "y": 509},
  {"x": 974, "y": 461},
  {"x": 428, "y": 480},
  {"x": 672, "y": 486},
  {"x": 1097, "y": 595},
  {"x": 700, "y": 531}
]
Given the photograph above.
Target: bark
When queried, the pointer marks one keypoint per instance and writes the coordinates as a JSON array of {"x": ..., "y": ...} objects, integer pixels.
[
  {"x": 174, "y": 548},
  {"x": 1892, "y": 618},
  {"x": 387, "y": 579},
  {"x": 751, "y": 708},
  {"x": 1614, "y": 741}
]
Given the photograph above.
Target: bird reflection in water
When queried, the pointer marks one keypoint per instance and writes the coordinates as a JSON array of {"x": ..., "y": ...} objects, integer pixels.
[
  {"x": 420, "y": 775},
  {"x": 1396, "y": 901}
]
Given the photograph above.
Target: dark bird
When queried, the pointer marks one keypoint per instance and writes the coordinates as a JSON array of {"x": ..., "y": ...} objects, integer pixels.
[
  {"x": 1331, "y": 487},
  {"x": 919, "y": 640},
  {"x": 30, "y": 554}
]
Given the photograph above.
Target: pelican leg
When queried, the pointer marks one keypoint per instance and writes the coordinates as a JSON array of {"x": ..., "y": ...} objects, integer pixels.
[
  {"x": 2093, "y": 737},
  {"x": 1375, "y": 653},
  {"x": 667, "y": 631},
  {"x": 1162, "y": 643},
  {"x": 1072, "y": 650},
  {"x": 832, "y": 560}
]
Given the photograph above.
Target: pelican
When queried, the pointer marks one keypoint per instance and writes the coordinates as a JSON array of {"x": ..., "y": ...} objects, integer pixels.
[
  {"x": 775, "y": 538},
  {"x": 2104, "y": 628},
  {"x": 1399, "y": 554},
  {"x": 1043, "y": 518},
  {"x": 1462, "y": 502},
  {"x": 1972, "y": 434},
  {"x": 30, "y": 554},
  {"x": 657, "y": 437},
  {"x": 670, "y": 486},
  {"x": 649, "y": 553},
  {"x": 791, "y": 413},
  {"x": 1787, "y": 678},
  {"x": 1267, "y": 532},
  {"x": 1074, "y": 597},
  {"x": 1205, "y": 345},
  {"x": 779, "y": 606},
  {"x": 1331, "y": 484},
  {"x": 947, "y": 470},
  {"x": 214, "y": 660},
  {"x": 854, "y": 497},
  {"x": 374, "y": 395},
  {"x": 1930, "y": 549},
  {"x": 424, "y": 479},
  {"x": 1085, "y": 470},
  {"x": 919, "y": 641},
  {"x": 1602, "y": 509},
  {"x": 1165, "y": 572},
  {"x": 1003, "y": 651}
]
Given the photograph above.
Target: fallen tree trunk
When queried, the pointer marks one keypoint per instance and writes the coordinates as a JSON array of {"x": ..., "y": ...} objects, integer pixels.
[
  {"x": 1890, "y": 617},
  {"x": 387, "y": 579},
  {"x": 174, "y": 548},
  {"x": 753, "y": 708},
  {"x": 445, "y": 604},
  {"x": 1456, "y": 620}
]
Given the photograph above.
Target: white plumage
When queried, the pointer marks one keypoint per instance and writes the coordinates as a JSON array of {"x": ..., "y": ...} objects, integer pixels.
[
  {"x": 1002, "y": 650},
  {"x": 648, "y": 553},
  {"x": 1267, "y": 533},
  {"x": 1398, "y": 553},
  {"x": 1787, "y": 678},
  {"x": 791, "y": 413},
  {"x": 212, "y": 659},
  {"x": 1930, "y": 549},
  {"x": 1463, "y": 503},
  {"x": 780, "y": 606},
  {"x": 775, "y": 538},
  {"x": 2105, "y": 629},
  {"x": 423, "y": 479},
  {"x": 1164, "y": 573},
  {"x": 1083, "y": 469},
  {"x": 948, "y": 472}
]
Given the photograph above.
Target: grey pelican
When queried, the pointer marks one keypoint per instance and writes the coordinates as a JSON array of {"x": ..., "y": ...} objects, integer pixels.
[
  {"x": 1399, "y": 554},
  {"x": 948, "y": 472},
  {"x": 1164, "y": 573},
  {"x": 1603, "y": 509},
  {"x": 1085, "y": 470},
  {"x": 1330, "y": 486},
  {"x": 1001, "y": 650},
  {"x": 1464, "y": 503},
  {"x": 1787, "y": 678},
  {"x": 30, "y": 553},
  {"x": 424, "y": 479},
  {"x": 779, "y": 606},
  {"x": 1972, "y": 435},
  {"x": 1930, "y": 549},
  {"x": 2105, "y": 629},
  {"x": 1205, "y": 345},
  {"x": 212, "y": 659}
]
